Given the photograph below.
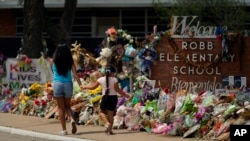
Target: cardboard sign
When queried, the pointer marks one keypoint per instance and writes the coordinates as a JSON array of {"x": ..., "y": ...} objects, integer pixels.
[{"x": 21, "y": 75}]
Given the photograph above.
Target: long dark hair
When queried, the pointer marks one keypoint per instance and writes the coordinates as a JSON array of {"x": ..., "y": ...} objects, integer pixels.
[
  {"x": 108, "y": 71},
  {"x": 63, "y": 60}
]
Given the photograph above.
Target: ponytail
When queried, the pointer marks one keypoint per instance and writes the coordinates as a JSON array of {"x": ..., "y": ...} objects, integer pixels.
[{"x": 107, "y": 73}]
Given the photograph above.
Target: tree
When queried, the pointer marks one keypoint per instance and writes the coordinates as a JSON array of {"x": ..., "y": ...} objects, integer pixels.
[
  {"x": 37, "y": 20},
  {"x": 230, "y": 13},
  {"x": 61, "y": 33},
  {"x": 33, "y": 22}
]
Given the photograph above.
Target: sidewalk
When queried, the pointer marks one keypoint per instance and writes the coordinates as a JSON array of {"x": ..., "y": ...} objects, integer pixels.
[{"x": 48, "y": 129}]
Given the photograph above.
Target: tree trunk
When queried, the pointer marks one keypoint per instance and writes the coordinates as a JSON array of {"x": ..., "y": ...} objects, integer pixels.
[
  {"x": 32, "y": 38},
  {"x": 61, "y": 33}
]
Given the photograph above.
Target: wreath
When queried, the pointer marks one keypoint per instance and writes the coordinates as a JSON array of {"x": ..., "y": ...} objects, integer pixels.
[{"x": 112, "y": 35}]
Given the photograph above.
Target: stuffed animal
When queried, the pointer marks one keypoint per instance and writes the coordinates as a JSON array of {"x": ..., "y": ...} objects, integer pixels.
[
  {"x": 86, "y": 115},
  {"x": 119, "y": 117},
  {"x": 105, "y": 56},
  {"x": 94, "y": 120},
  {"x": 147, "y": 124},
  {"x": 132, "y": 119},
  {"x": 161, "y": 128}
]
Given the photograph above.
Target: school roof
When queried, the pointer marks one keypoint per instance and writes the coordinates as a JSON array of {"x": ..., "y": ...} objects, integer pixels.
[
  {"x": 85, "y": 3},
  {"x": 93, "y": 3}
]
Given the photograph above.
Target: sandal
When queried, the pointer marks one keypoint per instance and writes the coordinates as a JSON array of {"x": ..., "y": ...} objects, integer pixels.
[{"x": 73, "y": 127}]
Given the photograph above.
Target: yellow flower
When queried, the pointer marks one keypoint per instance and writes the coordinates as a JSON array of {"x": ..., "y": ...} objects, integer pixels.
[
  {"x": 95, "y": 99},
  {"x": 23, "y": 98},
  {"x": 95, "y": 91},
  {"x": 26, "y": 98},
  {"x": 20, "y": 63}
]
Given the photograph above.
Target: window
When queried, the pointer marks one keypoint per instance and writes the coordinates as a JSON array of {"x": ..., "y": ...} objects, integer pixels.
[{"x": 103, "y": 23}]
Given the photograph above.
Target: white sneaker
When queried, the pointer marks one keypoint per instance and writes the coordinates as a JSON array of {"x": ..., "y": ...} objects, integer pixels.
[{"x": 63, "y": 132}]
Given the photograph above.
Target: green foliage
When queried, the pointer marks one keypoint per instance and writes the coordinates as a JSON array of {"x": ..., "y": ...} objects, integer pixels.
[{"x": 231, "y": 13}]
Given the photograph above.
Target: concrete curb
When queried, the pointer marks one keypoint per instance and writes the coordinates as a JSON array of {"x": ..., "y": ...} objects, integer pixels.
[{"x": 39, "y": 135}]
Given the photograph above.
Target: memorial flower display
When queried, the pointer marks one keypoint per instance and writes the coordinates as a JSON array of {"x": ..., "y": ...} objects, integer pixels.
[{"x": 194, "y": 112}]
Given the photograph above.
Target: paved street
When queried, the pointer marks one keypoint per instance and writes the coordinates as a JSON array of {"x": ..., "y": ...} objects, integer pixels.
[{"x": 14, "y": 137}]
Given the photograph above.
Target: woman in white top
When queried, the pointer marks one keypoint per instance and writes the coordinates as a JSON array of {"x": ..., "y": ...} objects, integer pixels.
[{"x": 110, "y": 88}]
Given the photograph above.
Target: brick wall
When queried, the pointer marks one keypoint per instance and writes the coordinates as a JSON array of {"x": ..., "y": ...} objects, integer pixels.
[
  {"x": 7, "y": 23},
  {"x": 164, "y": 70}
]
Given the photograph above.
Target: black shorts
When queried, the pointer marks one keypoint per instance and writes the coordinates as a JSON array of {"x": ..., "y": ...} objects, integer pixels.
[{"x": 109, "y": 102}]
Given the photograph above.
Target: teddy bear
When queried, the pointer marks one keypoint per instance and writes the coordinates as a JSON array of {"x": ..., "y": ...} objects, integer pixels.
[
  {"x": 86, "y": 115},
  {"x": 132, "y": 118},
  {"x": 94, "y": 120},
  {"x": 147, "y": 124},
  {"x": 119, "y": 117},
  {"x": 104, "y": 58}
]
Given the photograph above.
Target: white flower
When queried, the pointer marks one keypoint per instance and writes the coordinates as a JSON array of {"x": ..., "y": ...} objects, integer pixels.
[
  {"x": 124, "y": 35},
  {"x": 24, "y": 90},
  {"x": 106, "y": 52},
  {"x": 131, "y": 41},
  {"x": 119, "y": 30},
  {"x": 128, "y": 37},
  {"x": 156, "y": 38},
  {"x": 108, "y": 39}
]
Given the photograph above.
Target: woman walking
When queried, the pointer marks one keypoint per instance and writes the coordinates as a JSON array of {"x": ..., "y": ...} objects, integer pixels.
[{"x": 63, "y": 67}]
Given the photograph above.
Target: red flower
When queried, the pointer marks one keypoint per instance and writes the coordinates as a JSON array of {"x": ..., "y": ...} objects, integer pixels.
[
  {"x": 166, "y": 90},
  {"x": 37, "y": 102},
  {"x": 49, "y": 85},
  {"x": 28, "y": 60},
  {"x": 43, "y": 102},
  {"x": 111, "y": 31}
]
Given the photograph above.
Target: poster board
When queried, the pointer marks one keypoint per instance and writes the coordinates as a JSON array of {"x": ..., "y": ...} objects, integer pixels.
[
  {"x": 149, "y": 85},
  {"x": 21, "y": 75}
]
